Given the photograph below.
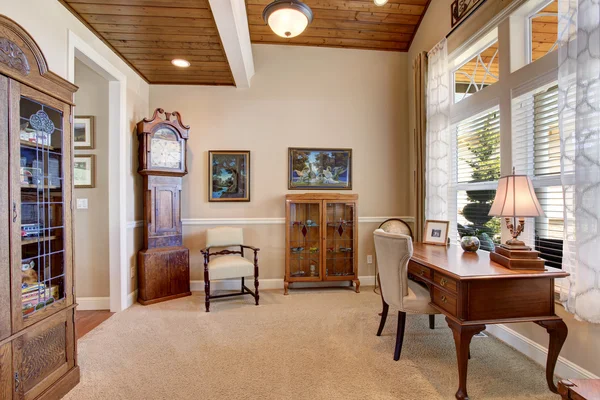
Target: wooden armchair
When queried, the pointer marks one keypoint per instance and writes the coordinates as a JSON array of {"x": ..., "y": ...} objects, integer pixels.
[{"x": 230, "y": 263}]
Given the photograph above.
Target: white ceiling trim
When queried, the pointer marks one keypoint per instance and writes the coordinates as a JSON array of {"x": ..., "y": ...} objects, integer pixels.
[{"x": 232, "y": 23}]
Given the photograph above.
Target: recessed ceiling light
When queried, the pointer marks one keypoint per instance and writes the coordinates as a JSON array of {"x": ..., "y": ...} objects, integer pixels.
[
  {"x": 380, "y": 2},
  {"x": 178, "y": 62}
]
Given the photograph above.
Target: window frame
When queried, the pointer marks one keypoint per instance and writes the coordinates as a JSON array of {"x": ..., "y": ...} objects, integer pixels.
[{"x": 517, "y": 75}]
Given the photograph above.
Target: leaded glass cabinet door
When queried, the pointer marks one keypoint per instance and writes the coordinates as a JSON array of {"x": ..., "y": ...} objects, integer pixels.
[
  {"x": 304, "y": 241},
  {"x": 40, "y": 173},
  {"x": 340, "y": 240}
]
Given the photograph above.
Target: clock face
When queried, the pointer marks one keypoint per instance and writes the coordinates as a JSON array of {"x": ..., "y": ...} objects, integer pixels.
[{"x": 165, "y": 149}]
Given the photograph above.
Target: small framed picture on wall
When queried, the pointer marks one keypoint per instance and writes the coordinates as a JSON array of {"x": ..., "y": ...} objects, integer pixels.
[
  {"x": 84, "y": 171},
  {"x": 228, "y": 175},
  {"x": 83, "y": 132},
  {"x": 436, "y": 232}
]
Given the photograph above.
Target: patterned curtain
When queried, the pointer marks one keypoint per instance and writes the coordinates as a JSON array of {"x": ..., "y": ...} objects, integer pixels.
[
  {"x": 579, "y": 119},
  {"x": 437, "y": 175}
]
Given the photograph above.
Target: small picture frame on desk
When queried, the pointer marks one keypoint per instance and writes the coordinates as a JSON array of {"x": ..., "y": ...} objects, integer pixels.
[{"x": 436, "y": 232}]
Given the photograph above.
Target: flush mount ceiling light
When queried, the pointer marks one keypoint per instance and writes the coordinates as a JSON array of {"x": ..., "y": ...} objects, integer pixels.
[
  {"x": 380, "y": 2},
  {"x": 288, "y": 18},
  {"x": 178, "y": 62}
]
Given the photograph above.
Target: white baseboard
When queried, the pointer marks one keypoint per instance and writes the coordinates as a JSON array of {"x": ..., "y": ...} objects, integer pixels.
[
  {"x": 564, "y": 368},
  {"x": 132, "y": 298},
  {"x": 267, "y": 284},
  {"x": 93, "y": 303}
]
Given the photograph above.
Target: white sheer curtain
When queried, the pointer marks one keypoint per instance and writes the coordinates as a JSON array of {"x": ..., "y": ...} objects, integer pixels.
[
  {"x": 437, "y": 167},
  {"x": 579, "y": 118}
]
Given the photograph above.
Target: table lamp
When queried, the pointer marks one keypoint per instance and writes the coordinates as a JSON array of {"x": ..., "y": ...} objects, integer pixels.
[{"x": 516, "y": 199}]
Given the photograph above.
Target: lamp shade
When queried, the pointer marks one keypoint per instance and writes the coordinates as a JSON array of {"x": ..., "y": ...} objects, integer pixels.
[
  {"x": 515, "y": 197},
  {"x": 287, "y": 18}
]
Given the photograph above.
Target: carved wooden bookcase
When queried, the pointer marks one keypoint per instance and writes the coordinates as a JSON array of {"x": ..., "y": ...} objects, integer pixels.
[
  {"x": 163, "y": 264},
  {"x": 321, "y": 236},
  {"x": 38, "y": 358}
]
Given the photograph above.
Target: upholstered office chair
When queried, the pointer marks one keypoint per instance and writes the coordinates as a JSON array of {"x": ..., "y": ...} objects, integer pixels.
[
  {"x": 393, "y": 225},
  {"x": 393, "y": 253},
  {"x": 230, "y": 263}
]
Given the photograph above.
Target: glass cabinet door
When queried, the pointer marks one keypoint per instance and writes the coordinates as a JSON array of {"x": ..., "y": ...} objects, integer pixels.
[
  {"x": 339, "y": 243},
  {"x": 304, "y": 230},
  {"x": 38, "y": 208}
]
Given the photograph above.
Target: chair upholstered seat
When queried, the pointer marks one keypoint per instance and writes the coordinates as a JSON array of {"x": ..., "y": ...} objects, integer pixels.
[
  {"x": 417, "y": 300},
  {"x": 227, "y": 267},
  {"x": 228, "y": 263}
]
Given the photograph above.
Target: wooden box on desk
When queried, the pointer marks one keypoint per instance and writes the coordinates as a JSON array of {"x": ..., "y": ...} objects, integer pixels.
[{"x": 517, "y": 259}]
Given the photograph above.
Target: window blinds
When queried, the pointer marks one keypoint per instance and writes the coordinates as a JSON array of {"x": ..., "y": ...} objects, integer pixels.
[
  {"x": 536, "y": 151},
  {"x": 478, "y": 148},
  {"x": 476, "y": 165}
]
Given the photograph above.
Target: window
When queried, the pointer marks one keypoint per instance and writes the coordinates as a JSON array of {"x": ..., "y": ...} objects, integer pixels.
[
  {"x": 536, "y": 152},
  {"x": 477, "y": 73},
  {"x": 543, "y": 31},
  {"x": 477, "y": 169},
  {"x": 483, "y": 150}
]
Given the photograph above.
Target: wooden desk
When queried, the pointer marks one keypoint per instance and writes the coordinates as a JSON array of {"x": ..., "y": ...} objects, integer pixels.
[
  {"x": 472, "y": 291},
  {"x": 579, "y": 389}
]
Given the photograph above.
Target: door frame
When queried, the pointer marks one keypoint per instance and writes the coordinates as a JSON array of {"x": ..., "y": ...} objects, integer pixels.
[{"x": 118, "y": 135}]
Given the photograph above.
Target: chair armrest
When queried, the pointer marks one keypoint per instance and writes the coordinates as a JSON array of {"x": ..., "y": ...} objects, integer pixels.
[
  {"x": 205, "y": 251},
  {"x": 255, "y": 249}
]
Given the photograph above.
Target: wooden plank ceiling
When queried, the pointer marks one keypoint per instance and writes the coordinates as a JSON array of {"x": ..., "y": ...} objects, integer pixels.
[
  {"x": 148, "y": 34},
  {"x": 358, "y": 24}
]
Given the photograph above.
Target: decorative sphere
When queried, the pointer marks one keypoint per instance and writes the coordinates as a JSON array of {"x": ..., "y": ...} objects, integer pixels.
[{"x": 469, "y": 243}]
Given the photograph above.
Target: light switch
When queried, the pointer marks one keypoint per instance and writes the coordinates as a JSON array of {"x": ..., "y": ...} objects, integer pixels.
[
  {"x": 369, "y": 259},
  {"x": 82, "y": 204}
]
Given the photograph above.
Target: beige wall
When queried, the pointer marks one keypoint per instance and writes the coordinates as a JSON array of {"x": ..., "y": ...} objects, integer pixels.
[
  {"x": 91, "y": 225},
  {"x": 581, "y": 346},
  {"x": 300, "y": 96},
  {"x": 49, "y": 23}
]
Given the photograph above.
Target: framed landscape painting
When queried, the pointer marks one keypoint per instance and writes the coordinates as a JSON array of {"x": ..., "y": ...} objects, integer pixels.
[
  {"x": 83, "y": 130},
  {"x": 84, "y": 171},
  {"x": 319, "y": 169},
  {"x": 229, "y": 178}
]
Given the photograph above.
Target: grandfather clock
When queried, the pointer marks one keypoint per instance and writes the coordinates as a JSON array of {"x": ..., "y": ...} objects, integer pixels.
[{"x": 163, "y": 264}]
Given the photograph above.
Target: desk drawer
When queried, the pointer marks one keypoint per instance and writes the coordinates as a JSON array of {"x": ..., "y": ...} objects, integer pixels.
[
  {"x": 418, "y": 270},
  {"x": 444, "y": 300},
  {"x": 445, "y": 282}
]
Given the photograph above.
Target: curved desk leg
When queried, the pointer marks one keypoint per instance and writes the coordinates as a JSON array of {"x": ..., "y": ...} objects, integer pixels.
[
  {"x": 462, "y": 339},
  {"x": 558, "y": 334}
]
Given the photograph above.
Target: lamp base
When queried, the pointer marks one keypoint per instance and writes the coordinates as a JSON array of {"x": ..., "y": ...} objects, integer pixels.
[
  {"x": 521, "y": 247},
  {"x": 520, "y": 259},
  {"x": 515, "y": 244}
]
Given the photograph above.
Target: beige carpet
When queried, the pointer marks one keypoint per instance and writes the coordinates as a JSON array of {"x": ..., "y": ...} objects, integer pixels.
[{"x": 312, "y": 344}]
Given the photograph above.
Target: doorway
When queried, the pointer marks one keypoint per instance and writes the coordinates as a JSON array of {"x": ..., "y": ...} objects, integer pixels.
[
  {"x": 117, "y": 135},
  {"x": 90, "y": 196}
]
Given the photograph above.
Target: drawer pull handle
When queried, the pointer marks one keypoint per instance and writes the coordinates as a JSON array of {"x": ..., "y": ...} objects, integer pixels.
[
  {"x": 422, "y": 272},
  {"x": 444, "y": 299},
  {"x": 443, "y": 282}
]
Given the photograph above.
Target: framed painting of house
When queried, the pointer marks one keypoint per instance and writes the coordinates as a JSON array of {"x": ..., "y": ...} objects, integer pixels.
[
  {"x": 229, "y": 175},
  {"x": 319, "y": 169}
]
